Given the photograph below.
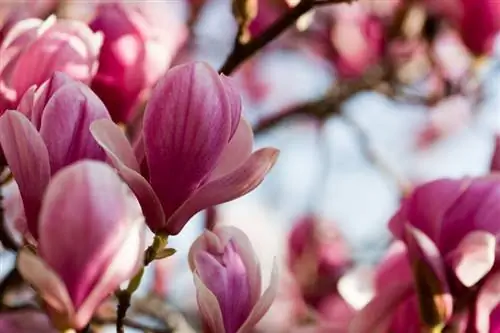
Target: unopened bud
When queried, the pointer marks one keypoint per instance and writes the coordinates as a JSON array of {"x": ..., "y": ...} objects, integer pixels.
[{"x": 244, "y": 12}]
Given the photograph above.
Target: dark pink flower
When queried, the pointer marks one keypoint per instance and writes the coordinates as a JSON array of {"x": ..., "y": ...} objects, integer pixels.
[
  {"x": 138, "y": 48},
  {"x": 195, "y": 149},
  {"x": 317, "y": 257},
  {"x": 74, "y": 274},
  {"x": 452, "y": 225},
  {"x": 357, "y": 40},
  {"x": 228, "y": 281},
  {"x": 49, "y": 131},
  {"x": 395, "y": 307}
]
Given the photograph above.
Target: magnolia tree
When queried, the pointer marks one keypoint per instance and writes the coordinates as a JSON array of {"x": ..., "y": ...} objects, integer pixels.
[{"x": 110, "y": 131}]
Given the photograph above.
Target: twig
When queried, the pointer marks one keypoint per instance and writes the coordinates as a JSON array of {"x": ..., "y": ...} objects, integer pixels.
[
  {"x": 125, "y": 296},
  {"x": 328, "y": 105},
  {"x": 242, "y": 52}
]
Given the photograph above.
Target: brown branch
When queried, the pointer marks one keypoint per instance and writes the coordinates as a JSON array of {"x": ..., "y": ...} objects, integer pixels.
[
  {"x": 330, "y": 104},
  {"x": 242, "y": 52}
]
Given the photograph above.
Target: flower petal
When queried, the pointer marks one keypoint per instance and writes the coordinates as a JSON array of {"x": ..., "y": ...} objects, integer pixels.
[
  {"x": 150, "y": 203},
  {"x": 237, "y": 151},
  {"x": 65, "y": 125},
  {"x": 45, "y": 281},
  {"x": 208, "y": 306},
  {"x": 127, "y": 262},
  {"x": 187, "y": 125},
  {"x": 235, "y": 102},
  {"x": 105, "y": 212},
  {"x": 436, "y": 303},
  {"x": 28, "y": 160},
  {"x": 45, "y": 92},
  {"x": 474, "y": 257},
  {"x": 26, "y": 104},
  {"x": 247, "y": 255},
  {"x": 112, "y": 139},
  {"x": 263, "y": 304},
  {"x": 376, "y": 316},
  {"x": 487, "y": 300},
  {"x": 238, "y": 183}
]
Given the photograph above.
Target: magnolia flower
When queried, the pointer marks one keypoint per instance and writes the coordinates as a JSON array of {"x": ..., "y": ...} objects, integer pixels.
[
  {"x": 228, "y": 281},
  {"x": 49, "y": 131},
  {"x": 137, "y": 50},
  {"x": 357, "y": 40},
  {"x": 195, "y": 149},
  {"x": 394, "y": 308},
  {"x": 34, "y": 49},
  {"x": 317, "y": 257},
  {"x": 452, "y": 226},
  {"x": 74, "y": 274}
]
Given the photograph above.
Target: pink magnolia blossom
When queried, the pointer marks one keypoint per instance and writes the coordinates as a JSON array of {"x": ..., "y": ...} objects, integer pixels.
[
  {"x": 49, "y": 131},
  {"x": 357, "y": 40},
  {"x": 228, "y": 281},
  {"x": 16, "y": 12},
  {"x": 317, "y": 258},
  {"x": 195, "y": 149},
  {"x": 74, "y": 274},
  {"x": 452, "y": 226},
  {"x": 34, "y": 49},
  {"x": 394, "y": 309},
  {"x": 28, "y": 321},
  {"x": 138, "y": 47}
]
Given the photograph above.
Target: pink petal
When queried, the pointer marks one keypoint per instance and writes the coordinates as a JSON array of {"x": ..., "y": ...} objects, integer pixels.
[
  {"x": 263, "y": 304},
  {"x": 127, "y": 262},
  {"x": 187, "y": 126},
  {"x": 150, "y": 203},
  {"x": 28, "y": 160},
  {"x": 26, "y": 104},
  {"x": 376, "y": 317},
  {"x": 235, "y": 102},
  {"x": 474, "y": 257},
  {"x": 45, "y": 281},
  {"x": 247, "y": 255},
  {"x": 426, "y": 206},
  {"x": 111, "y": 138},
  {"x": 237, "y": 151},
  {"x": 241, "y": 181},
  {"x": 67, "y": 45},
  {"x": 65, "y": 125},
  {"x": 105, "y": 212},
  {"x": 208, "y": 306},
  {"x": 45, "y": 92},
  {"x": 487, "y": 300}
]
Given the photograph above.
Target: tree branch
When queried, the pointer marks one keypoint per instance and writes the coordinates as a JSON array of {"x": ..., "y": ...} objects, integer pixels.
[
  {"x": 242, "y": 52},
  {"x": 330, "y": 104}
]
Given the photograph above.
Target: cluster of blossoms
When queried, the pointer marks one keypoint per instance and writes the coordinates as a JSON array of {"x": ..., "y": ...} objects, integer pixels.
[
  {"x": 103, "y": 135},
  {"x": 88, "y": 190}
]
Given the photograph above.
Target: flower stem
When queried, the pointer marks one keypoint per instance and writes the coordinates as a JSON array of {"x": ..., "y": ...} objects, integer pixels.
[{"x": 125, "y": 296}]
